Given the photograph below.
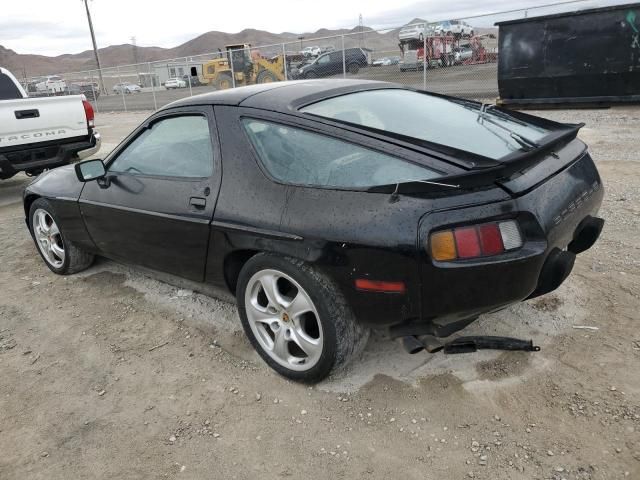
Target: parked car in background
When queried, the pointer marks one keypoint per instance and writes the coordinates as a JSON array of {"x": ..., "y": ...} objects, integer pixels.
[
  {"x": 51, "y": 85},
  {"x": 175, "y": 82},
  {"x": 332, "y": 63},
  {"x": 40, "y": 133},
  {"x": 126, "y": 87},
  {"x": 193, "y": 79},
  {"x": 311, "y": 51},
  {"x": 371, "y": 205},
  {"x": 89, "y": 90},
  {"x": 461, "y": 54},
  {"x": 412, "y": 32},
  {"x": 384, "y": 61},
  {"x": 454, "y": 27},
  {"x": 410, "y": 61}
]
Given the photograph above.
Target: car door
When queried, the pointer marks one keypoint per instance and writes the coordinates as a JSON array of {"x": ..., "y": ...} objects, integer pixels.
[
  {"x": 155, "y": 205},
  {"x": 335, "y": 65},
  {"x": 322, "y": 65}
]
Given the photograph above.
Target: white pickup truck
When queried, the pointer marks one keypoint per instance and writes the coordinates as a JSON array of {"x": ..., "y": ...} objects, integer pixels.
[{"x": 42, "y": 132}]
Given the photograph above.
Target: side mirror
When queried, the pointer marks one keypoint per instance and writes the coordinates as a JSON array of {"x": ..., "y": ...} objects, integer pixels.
[{"x": 90, "y": 170}]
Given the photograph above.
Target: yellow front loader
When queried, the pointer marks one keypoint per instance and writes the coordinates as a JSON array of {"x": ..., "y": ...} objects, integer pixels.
[{"x": 249, "y": 67}]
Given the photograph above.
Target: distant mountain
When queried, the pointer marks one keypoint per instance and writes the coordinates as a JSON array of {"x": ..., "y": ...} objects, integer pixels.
[{"x": 24, "y": 65}]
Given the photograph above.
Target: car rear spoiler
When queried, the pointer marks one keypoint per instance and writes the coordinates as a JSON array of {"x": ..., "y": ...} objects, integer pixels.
[{"x": 486, "y": 176}]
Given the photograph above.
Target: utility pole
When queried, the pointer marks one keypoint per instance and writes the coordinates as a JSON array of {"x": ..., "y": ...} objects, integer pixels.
[
  {"x": 95, "y": 46},
  {"x": 135, "y": 50},
  {"x": 361, "y": 25},
  {"x": 135, "y": 55}
]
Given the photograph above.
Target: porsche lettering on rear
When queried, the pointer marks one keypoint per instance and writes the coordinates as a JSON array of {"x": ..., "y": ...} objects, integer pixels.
[{"x": 575, "y": 204}]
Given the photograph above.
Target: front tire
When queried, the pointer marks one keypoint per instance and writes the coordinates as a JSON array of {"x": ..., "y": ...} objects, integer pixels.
[
  {"x": 296, "y": 318},
  {"x": 223, "y": 81},
  {"x": 59, "y": 254},
  {"x": 266, "y": 76}
]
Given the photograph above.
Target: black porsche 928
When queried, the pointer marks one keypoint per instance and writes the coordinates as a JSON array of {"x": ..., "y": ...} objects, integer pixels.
[{"x": 328, "y": 207}]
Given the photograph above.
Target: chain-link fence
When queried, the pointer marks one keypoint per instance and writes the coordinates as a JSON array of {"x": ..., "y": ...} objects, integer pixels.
[{"x": 457, "y": 57}]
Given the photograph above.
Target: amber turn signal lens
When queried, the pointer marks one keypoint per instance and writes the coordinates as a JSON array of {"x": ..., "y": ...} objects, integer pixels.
[{"x": 443, "y": 246}]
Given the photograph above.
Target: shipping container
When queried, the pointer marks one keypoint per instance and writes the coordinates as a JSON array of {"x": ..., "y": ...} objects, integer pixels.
[{"x": 583, "y": 57}]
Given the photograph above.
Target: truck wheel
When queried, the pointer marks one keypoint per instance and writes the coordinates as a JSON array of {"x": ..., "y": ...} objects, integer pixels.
[
  {"x": 296, "y": 318},
  {"x": 60, "y": 255},
  {"x": 353, "y": 68},
  {"x": 223, "y": 81},
  {"x": 266, "y": 76}
]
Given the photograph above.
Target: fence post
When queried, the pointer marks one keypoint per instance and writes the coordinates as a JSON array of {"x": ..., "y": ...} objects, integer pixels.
[
  {"x": 424, "y": 58},
  {"x": 124, "y": 102},
  {"x": 284, "y": 61},
  {"x": 344, "y": 60},
  {"x": 93, "y": 92},
  {"x": 153, "y": 86},
  {"x": 186, "y": 65},
  {"x": 233, "y": 74}
]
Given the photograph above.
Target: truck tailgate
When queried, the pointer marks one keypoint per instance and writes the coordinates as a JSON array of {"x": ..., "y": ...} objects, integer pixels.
[{"x": 32, "y": 120}]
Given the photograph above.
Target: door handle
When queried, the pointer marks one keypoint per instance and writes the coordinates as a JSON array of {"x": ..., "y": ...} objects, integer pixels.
[
  {"x": 33, "y": 113},
  {"x": 198, "y": 202}
]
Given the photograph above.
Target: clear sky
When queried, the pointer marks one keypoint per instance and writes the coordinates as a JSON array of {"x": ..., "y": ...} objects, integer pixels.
[{"x": 53, "y": 27}]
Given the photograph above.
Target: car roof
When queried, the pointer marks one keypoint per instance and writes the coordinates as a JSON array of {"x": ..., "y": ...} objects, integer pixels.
[{"x": 282, "y": 96}]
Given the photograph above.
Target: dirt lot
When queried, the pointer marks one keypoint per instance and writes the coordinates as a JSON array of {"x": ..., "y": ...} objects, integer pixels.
[{"x": 111, "y": 374}]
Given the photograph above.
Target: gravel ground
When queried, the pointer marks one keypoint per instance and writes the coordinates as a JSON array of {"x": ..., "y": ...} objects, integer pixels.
[{"x": 113, "y": 374}]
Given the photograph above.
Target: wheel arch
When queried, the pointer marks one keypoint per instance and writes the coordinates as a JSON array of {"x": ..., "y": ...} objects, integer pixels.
[
  {"x": 235, "y": 260},
  {"x": 28, "y": 201},
  {"x": 232, "y": 265}
]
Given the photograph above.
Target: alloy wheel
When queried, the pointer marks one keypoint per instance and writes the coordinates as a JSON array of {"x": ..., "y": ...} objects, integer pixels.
[
  {"x": 48, "y": 238},
  {"x": 284, "y": 320}
]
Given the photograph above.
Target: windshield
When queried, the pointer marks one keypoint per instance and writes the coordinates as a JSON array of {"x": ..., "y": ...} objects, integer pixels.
[{"x": 425, "y": 117}]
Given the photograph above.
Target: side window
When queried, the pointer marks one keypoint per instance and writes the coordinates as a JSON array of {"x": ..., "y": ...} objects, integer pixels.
[
  {"x": 323, "y": 60},
  {"x": 337, "y": 56},
  {"x": 296, "y": 156},
  {"x": 8, "y": 90},
  {"x": 175, "y": 147}
]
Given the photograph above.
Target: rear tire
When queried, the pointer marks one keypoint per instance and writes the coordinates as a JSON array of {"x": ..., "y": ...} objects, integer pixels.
[
  {"x": 59, "y": 254},
  {"x": 303, "y": 327},
  {"x": 353, "y": 68}
]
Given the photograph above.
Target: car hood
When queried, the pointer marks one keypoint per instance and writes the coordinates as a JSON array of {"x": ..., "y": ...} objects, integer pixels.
[{"x": 60, "y": 182}]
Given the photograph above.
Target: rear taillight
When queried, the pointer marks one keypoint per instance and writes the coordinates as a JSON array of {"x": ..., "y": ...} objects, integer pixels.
[
  {"x": 475, "y": 241},
  {"x": 88, "y": 112}
]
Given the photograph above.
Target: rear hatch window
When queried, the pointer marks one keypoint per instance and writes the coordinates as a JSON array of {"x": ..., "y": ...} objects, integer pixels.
[{"x": 462, "y": 125}]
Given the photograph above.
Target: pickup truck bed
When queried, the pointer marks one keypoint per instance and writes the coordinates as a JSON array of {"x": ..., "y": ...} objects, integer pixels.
[{"x": 42, "y": 133}]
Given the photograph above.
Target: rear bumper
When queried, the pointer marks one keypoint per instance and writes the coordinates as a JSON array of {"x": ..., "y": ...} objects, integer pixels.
[
  {"x": 37, "y": 158},
  {"x": 557, "y": 221},
  {"x": 92, "y": 149}
]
